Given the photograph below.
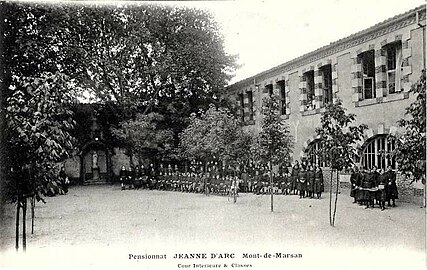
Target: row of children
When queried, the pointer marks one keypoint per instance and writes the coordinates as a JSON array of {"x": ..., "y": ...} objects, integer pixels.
[
  {"x": 305, "y": 179},
  {"x": 172, "y": 179},
  {"x": 369, "y": 186}
]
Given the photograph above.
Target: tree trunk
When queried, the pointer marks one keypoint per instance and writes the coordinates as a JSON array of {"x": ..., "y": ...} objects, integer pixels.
[
  {"x": 336, "y": 199},
  {"x": 330, "y": 199},
  {"x": 271, "y": 187},
  {"x": 24, "y": 225},
  {"x": 18, "y": 207},
  {"x": 33, "y": 205}
]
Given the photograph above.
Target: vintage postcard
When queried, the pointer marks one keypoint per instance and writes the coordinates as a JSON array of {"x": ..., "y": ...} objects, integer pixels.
[{"x": 213, "y": 134}]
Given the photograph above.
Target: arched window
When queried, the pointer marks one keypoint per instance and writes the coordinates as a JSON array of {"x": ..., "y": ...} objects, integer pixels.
[
  {"x": 313, "y": 154},
  {"x": 378, "y": 152}
]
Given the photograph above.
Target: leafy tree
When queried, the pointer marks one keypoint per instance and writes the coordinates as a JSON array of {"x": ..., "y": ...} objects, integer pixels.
[
  {"x": 143, "y": 57},
  {"x": 38, "y": 38},
  {"x": 273, "y": 144},
  {"x": 215, "y": 134},
  {"x": 38, "y": 126},
  {"x": 337, "y": 140},
  {"x": 144, "y": 137},
  {"x": 147, "y": 56},
  {"x": 153, "y": 58},
  {"x": 411, "y": 144},
  {"x": 35, "y": 64}
]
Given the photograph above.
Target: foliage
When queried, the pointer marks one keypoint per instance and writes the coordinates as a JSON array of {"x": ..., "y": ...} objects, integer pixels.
[
  {"x": 215, "y": 134},
  {"x": 37, "y": 39},
  {"x": 38, "y": 126},
  {"x": 143, "y": 135},
  {"x": 337, "y": 137},
  {"x": 411, "y": 144},
  {"x": 274, "y": 143},
  {"x": 337, "y": 144},
  {"x": 142, "y": 56}
]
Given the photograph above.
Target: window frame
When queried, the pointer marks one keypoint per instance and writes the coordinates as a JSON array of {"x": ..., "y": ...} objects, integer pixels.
[
  {"x": 314, "y": 157},
  {"x": 377, "y": 151},
  {"x": 282, "y": 93},
  {"x": 367, "y": 61},
  {"x": 250, "y": 104},
  {"x": 394, "y": 49},
  {"x": 242, "y": 107},
  {"x": 327, "y": 87},
  {"x": 311, "y": 95}
]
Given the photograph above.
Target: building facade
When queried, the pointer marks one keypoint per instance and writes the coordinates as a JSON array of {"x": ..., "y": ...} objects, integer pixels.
[{"x": 370, "y": 71}]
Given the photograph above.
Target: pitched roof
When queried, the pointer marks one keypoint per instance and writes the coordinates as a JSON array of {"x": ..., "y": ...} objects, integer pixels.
[{"x": 383, "y": 24}]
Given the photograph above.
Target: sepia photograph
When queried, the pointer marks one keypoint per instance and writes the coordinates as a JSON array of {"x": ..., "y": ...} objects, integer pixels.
[{"x": 213, "y": 134}]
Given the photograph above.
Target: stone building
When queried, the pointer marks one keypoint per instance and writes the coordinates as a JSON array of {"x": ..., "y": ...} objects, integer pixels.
[{"x": 371, "y": 71}]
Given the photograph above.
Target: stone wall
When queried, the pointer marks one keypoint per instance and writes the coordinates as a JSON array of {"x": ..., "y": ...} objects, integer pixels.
[{"x": 409, "y": 192}]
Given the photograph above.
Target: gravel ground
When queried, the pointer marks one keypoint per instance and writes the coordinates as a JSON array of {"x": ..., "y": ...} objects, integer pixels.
[{"x": 102, "y": 225}]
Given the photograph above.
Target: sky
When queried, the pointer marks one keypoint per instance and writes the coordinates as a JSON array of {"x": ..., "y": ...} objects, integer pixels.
[{"x": 266, "y": 33}]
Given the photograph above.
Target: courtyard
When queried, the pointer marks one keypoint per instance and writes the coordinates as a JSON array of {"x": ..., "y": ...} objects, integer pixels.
[{"x": 102, "y": 225}]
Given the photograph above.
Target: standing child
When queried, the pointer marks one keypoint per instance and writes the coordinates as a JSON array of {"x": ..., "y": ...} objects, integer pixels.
[
  {"x": 294, "y": 177},
  {"x": 310, "y": 181},
  {"x": 382, "y": 189},
  {"x": 318, "y": 181},
  {"x": 302, "y": 182},
  {"x": 392, "y": 193}
]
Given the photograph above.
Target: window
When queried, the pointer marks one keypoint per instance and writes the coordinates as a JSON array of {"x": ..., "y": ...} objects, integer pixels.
[
  {"x": 367, "y": 59},
  {"x": 241, "y": 107},
  {"x": 251, "y": 105},
  {"x": 327, "y": 83},
  {"x": 282, "y": 89},
  {"x": 269, "y": 88},
  {"x": 394, "y": 62},
  {"x": 314, "y": 154},
  {"x": 309, "y": 78},
  {"x": 378, "y": 153}
]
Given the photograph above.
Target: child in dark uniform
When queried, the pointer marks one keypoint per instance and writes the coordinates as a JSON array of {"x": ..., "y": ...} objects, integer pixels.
[{"x": 392, "y": 193}]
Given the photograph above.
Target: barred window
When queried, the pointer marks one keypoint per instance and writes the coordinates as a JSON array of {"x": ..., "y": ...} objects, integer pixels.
[
  {"x": 377, "y": 152},
  {"x": 314, "y": 155}
]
